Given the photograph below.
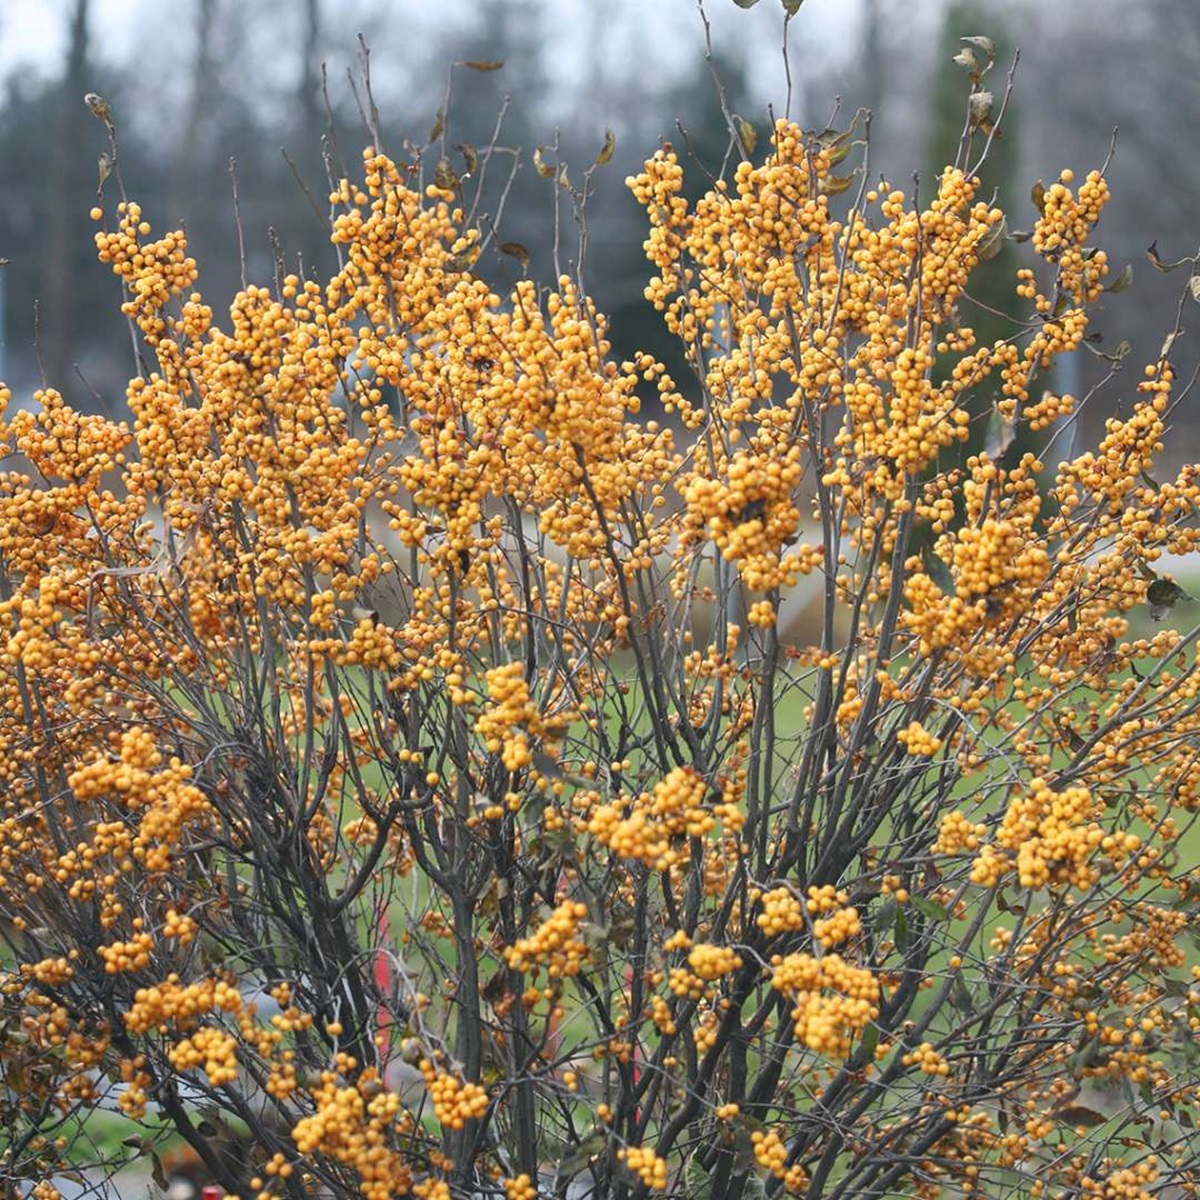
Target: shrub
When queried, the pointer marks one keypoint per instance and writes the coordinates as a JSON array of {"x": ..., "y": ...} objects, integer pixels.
[{"x": 402, "y": 758}]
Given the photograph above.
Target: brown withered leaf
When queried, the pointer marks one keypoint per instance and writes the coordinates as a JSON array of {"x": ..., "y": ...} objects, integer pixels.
[
  {"x": 158, "y": 1174},
  {"x": 835, "y": 154},
  {"x": 444, "y": 176},
  {"x": 834, "y": 185},
  {"x": 1159, "y": 263},
  {"x": 1162, "y": 596},
  {"x": 1122, "y": 281},
  {"x": 1079, "y": 1114},
  {"x": 938, "y": 571},
  {"x": 983, "y": 43},
  {"x": 1001, "y": 433},
  {"x": 99, "y": 109},
  {"x": 992, "y": 242},
  {"x": 1070, "y": 735},
  {"x": 484, "y": 64},
  {"x": 980, "y": 106},
  {"x": 464, "y": 261},
  {"x": 470, "y": 156},
  {"x": 747, "y": 134},
  {"x": 516, "y": 250},
  {"x": 606, "y": 151}
]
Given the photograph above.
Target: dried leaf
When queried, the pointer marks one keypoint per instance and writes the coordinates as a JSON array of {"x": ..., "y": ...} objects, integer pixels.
[
  {"x": 439, "y": 123},
  {"x": 444, "y": 176},
  {"x": 543, "y": 168},
  {"x": 1159, "y": 263},
  {"x": 470, "y": 157},
  {"x": 1194, "y": 287},
  {"x": 834, "y": 185},
  {"x": 1037, "y": 194},
  {"x": 1020, "y": 235},
  {"x": 1168, "y": 343},
  {"x": 983, "y": 43},
  {"x": 1162, "y": 596},
  {"x": 979, "y": 104},
  {"x": 931, "y": 910},
  {"x": 158, "y": 1174},
  {"x": 104, "y": 167},
  {"x": 547, "y": 766},
  {"x": 836, "y": 153},
  {"x": 960, "y": 995},
  {"x": 747, "y": 134},
  {"x": 966, "y": 58},
  {"x": 1122, "y": 281},
  {"x": 992, "y": 242},
  {"x": 606, "y": 151},
  {"x": 938, "y": 571},
  {"x": 1070, "y": 735},
  {"x": 99, "y": 109},
  {"x": 869, "y": 1043},
  {"x": 745, "y": 3},
  {"x": 484, "y": 64},
  {"x": 1001, "y": 433},
  {"x": 699, "y": 1181},
  {"x": 1088, "y": 1055},
  {"x": 1179, "y": 988},
  {"x": 792, "y": 7},
  {"x": 756, "y": 1186},
  {"x": 581, "y": 1154},
  {"x": 464, "y": 261},
  {"x": 516, "y": 250},
  {"x": 1078, "y": 1114}
]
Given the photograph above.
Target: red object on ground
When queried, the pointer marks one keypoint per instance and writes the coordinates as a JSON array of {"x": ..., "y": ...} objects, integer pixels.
[
  {"x": 385, "y": 981},
  {"x": 212, "y": 1192}
]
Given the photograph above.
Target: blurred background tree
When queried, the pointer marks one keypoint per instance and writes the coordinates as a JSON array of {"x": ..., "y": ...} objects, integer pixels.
[
  {"x": 991, "y": 306},
  {"x": 244, "y": 83}
]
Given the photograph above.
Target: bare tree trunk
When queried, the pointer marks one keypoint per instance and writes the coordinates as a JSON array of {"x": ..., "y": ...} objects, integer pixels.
[
  {"x": 309, "y": 103},
  {"x": 62, "y": 205},
  {"x": 200, "y": 104},
  {"x": 874, "y": 65}
]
